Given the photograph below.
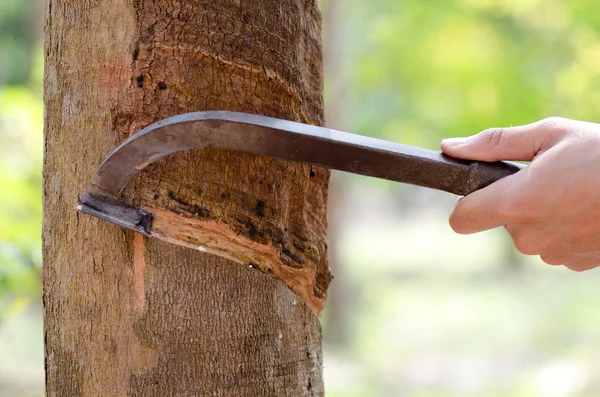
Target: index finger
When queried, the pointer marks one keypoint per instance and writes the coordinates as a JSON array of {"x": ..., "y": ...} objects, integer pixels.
[{"x": 487, "y": 208}]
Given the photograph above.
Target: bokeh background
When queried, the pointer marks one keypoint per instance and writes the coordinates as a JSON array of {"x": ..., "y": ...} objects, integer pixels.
[{"x": 415, "y": 310}]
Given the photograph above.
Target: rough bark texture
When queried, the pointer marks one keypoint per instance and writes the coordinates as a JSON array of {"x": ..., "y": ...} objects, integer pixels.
[{"x": 127, "y": 316}]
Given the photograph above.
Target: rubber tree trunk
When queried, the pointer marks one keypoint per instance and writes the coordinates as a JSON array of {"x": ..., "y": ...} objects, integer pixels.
[{"x": 130, "y": 316}]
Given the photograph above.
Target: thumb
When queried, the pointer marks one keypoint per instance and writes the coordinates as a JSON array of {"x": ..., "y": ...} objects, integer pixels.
[{"x": 514, "y": 143}]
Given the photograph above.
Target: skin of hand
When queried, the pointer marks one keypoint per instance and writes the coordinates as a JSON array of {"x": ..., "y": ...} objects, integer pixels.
[{"x": 551, "y": 208}]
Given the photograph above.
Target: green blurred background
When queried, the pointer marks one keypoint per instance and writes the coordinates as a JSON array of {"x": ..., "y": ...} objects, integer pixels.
[{"x": 415, "y": 310}]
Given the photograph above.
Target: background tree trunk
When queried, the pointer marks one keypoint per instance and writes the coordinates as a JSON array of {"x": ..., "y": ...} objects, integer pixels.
[
  {"x": 340, "y": 297},
  {"x": 128, "y": 316}
]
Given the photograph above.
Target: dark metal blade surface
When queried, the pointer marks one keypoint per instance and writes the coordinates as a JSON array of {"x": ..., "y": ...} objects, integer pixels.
[{"x": 295, "y": 142}]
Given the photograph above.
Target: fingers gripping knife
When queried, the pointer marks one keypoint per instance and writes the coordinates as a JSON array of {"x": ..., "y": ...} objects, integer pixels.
[{"x": 281, "y": 139}]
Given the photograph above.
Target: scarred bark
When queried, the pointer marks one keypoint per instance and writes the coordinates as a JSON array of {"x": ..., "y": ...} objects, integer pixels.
[{"x": 125, "y": 315}]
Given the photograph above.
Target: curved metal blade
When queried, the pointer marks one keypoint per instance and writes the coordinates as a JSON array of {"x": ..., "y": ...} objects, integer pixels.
[{"x": 282, "y": 139}]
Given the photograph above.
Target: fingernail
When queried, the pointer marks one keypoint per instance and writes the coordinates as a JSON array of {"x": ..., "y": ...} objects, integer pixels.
[{"x": 454, "y": 141}]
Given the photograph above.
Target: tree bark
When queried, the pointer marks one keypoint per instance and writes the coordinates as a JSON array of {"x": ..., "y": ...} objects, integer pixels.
[{"x": 130, "y": 316}]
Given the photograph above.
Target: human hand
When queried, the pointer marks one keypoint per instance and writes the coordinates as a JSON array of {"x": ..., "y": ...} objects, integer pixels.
[{"x": 551, "y": 208}]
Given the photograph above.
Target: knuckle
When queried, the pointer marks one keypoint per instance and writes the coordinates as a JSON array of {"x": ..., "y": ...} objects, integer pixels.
[
  {"x": 552, "y": 260},
  {"x": 554, "y": 123},
  {"x": 526, "y": 249},
  {"x": 578, "y": 267},
  {"x": 583, "y": 263},
  {"x": 495, "y": 136},
  {"x": 528, "y": 243},
  {"x": 525, "y": 246}
]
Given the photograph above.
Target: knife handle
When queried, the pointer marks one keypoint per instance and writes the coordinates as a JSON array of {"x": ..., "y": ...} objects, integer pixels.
[
  {"x": 409, "y": 164},
  {"x": 475, "y": 175}
]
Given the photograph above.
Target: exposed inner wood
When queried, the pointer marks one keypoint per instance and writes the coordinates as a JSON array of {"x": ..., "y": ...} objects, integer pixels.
[
  {"x": 139, "y": 269},
  {"x": 215, "y": 237}
]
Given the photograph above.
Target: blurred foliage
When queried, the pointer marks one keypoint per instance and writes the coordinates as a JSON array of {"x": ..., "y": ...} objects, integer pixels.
[
  {"x": 435, "y": 314},
  {"x": 21, "y": 112},
  {"x": 21, "y": 141},
  {"x": 21, "y": 128},
  {"x": 419, "y": 70},
  {"x": 20, "y": 31}
]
